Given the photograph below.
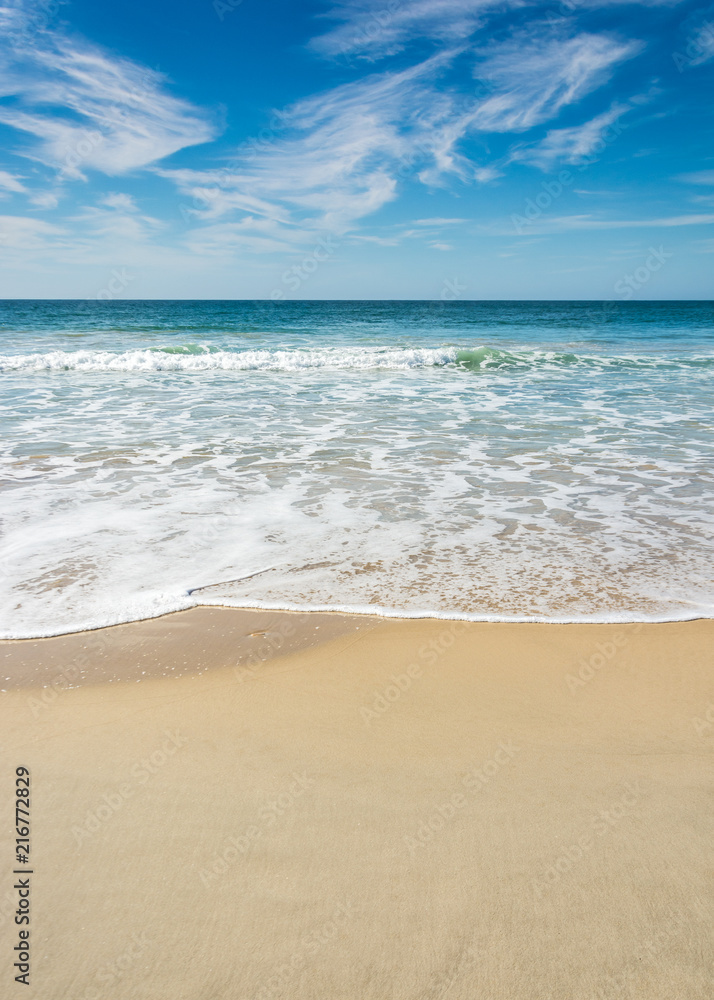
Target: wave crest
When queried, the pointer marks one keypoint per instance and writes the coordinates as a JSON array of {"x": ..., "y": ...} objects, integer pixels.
[{"x": 204, "y": 358}]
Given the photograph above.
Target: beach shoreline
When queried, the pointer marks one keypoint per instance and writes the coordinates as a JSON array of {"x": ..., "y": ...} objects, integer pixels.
[
  {"x": 244, "y": 804},
  {"x": 497, "y": 461}
]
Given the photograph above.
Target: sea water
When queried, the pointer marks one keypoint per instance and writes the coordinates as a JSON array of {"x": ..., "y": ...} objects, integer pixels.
[{"x": 538, "y": 461}]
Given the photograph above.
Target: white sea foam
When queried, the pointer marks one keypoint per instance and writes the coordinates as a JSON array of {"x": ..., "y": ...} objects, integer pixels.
[
  {"x": 158, "y": 360},
  {"x": 384, "y": 484},
  {"x": 205, "y": 358},
  {"x": 141, "y": 611},
  {"x": 103, "y": 549}
]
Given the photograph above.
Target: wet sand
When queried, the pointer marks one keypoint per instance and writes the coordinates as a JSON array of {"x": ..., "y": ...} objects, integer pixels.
[{"x": 248, "y": 805}]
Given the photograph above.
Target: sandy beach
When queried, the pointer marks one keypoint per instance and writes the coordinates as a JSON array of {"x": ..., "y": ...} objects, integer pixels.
[
  {"x": 256, "y": 804},
  {"x": 356, "y": 500}
]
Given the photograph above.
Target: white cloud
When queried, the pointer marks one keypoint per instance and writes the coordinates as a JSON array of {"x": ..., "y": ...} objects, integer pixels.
[
  {"x": 438, "y": 222},
  {"x": 486, "y": 174},
  {"x": 572, "y": 145},
  {"x": 45, "y": 199},
  {"x": 214, "y": 193},
  {"x": 10, "y": 182},
  {"x": 666, "y": 222},
  {"x": 121, "y": 202},
  {"x": 340, "y": 155},
  {"x": 249, "y": 235},
  {"x": 373, "y": 29},
  {"x": 116, "y": 218},
  {"x": 108, "y": 113},
  {"x": 336, "y": 157},
  {"x": 536, "y": 74},
  {"x": 705, "y": 177},
  {"x": 572, "y": 223},
  {"x": 21, "y": 233},
  {"x": 703, "y": 199},
  {"x": 381, "y": 241},
  {"x": 700, "y": 45}
]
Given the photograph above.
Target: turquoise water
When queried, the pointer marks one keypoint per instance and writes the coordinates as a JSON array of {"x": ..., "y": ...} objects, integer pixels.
[{"x": 542, "y": 461}]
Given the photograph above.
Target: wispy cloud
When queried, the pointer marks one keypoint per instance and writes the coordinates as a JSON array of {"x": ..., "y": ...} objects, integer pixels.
[
  {"x": 250, "y": 235},
  {"x": 438, "y": 222},
  {"x": 538, "y": 72},
  {"x": 21, "y": 233},
  {"x": 571, "y": 145},
  {"x": 705, "y": 177},
  {"x": 44, "y": 199},
  {"x": 116, "y": 218},
  {"x": 700, "y": 44},
  {"x": 120, "y": 202},
  {"x": 10, "y": 182},
  {"x": 374, "y": 29},
  {"x": 339, "y": 158},
  {"x": 342, "y": 155},
  {"x": 572, "y": 223},
  {"x": 666, "y": 222},
  {"x": 88, "y": 108}
]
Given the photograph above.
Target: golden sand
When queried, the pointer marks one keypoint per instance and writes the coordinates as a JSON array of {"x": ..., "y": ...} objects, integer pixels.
[{"x": 240, "y": 805}]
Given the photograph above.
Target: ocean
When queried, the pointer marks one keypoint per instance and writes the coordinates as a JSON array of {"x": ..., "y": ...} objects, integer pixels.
[{"x": 495, "y": 461}]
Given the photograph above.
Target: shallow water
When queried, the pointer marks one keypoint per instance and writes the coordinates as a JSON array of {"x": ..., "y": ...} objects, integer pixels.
[{"x": 489, "y": 460}]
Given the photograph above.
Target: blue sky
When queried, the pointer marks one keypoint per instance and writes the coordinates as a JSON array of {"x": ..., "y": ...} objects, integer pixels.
[{"x": 365, "y": 149}]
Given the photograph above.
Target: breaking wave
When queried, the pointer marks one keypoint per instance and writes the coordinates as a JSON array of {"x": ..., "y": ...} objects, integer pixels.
[{"x": 190, "y": 358}]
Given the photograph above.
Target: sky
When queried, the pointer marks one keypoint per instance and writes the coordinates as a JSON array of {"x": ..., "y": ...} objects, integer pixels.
[{"x": 379, "y": 149}]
